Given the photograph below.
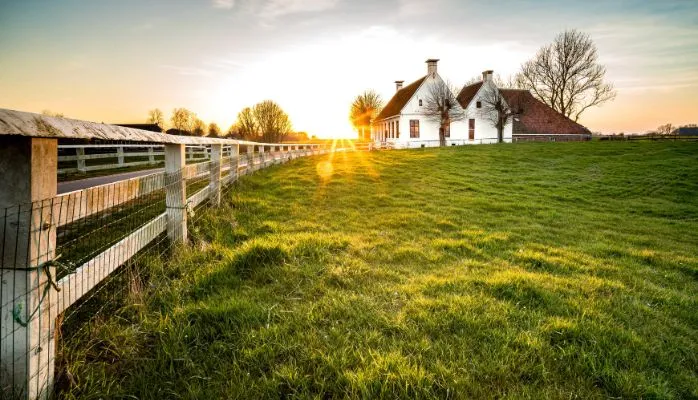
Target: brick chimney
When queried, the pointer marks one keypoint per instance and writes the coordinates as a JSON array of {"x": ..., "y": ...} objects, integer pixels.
[
  {"x": 431, "y": 65},
  {"x": 398, "y": 85},
  {"x": 487, "y": 75}
]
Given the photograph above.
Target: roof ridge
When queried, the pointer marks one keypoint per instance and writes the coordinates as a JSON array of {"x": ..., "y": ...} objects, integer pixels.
[{"x": 400, "y": 99}]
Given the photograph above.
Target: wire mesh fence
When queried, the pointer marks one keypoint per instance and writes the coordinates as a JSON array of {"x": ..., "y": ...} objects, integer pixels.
[{"x": 84, "y": 255}]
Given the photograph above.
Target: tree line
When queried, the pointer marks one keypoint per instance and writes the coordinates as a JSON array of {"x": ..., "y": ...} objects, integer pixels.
[
  {"x": 265, "y": 121},
  {"x": 564, "y": 74}
]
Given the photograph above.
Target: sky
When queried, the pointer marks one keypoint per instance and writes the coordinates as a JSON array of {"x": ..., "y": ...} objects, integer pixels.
[{"x": 112, "y": 61}]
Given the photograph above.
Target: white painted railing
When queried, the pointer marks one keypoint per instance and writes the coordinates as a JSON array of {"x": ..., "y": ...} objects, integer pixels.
[
  {"x": 31, "y": 298},
  {"x": 86, "y": 158}
]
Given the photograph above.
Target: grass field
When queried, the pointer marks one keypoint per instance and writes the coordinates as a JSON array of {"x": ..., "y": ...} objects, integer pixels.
[{"x": 537, "y": 270}]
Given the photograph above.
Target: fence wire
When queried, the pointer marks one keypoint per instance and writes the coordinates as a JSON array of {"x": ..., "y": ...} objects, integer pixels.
[{"x": 84, "y": 256}]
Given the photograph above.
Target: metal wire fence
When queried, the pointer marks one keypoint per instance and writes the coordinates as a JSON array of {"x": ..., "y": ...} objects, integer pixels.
[{"x": 78, "y": 257}]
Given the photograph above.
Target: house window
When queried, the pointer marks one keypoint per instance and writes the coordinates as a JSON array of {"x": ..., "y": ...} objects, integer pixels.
[
  {"x": 414, "y": 128},
  {"x": 397, "y": 129},
  {"x": 478, "y": 104},
  {"x": 471, "y": 129},
  {"x": 420, "y": 102}
]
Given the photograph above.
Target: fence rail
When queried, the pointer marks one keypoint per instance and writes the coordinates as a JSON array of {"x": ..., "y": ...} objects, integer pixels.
[
  {"x": 87, "y": 158},
  {"x": 653, "y": 138},
  {"x": 57, "y": 251}
]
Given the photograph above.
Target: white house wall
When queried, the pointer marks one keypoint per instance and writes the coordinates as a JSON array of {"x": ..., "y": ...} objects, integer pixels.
[
  {"x": 485, "y": 132},
  {"x": 429, "y": 129}
]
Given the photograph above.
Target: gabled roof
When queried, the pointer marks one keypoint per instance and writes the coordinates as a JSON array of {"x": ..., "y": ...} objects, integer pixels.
[
  {"x": 467, "y": 93},
  {"x": 537, "y": 117},
  {"x": 400, "y": 99}
]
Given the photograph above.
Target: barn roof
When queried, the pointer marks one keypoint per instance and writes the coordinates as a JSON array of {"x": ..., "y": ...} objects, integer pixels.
[
  {"x": 539, "y": 118},
  {"x": 400, "y": 99},
  {"x": 467, "y": 93}
]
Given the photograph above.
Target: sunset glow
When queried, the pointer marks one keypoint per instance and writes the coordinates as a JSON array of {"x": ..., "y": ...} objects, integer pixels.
[{"x": 112, "y": 62}]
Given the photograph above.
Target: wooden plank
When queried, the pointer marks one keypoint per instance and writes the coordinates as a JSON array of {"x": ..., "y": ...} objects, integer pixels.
[
  {"x": 91, "y": 273},
  {"x": 27, "y": 349},
  {"x": 73, "y": 206},
  {"x": 107, "y": 155},
  {"x": 113, "y": 166},
  {"x": 199, "y": 197},
  {"x": 215, "y": 174},
  {"x": 193, "y": 171},
  {"x": 176, "y": 193}
]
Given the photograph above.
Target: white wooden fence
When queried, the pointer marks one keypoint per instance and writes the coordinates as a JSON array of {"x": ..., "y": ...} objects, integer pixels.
[
  {"x": 86, "y": 158},
  {"x": 31, "y": 297}
]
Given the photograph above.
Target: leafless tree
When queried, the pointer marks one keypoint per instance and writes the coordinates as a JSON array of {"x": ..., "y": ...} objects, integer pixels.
[
  {"x": 272, "y": 121},
  {"x": 500, "y": 111},
  {"x": 364, "y": 109},
  {"x": 440, "y": 105},
  {"x": 510, "y": 82},
  {"x": 566, "y": 75},
  {"x": 214, "y": 130},
  {"x": 183, "y": 120},
  {"x": 665, "y": 129},
  {"x": 156, "y": 117},
  {"x": 246, "y": 126}
]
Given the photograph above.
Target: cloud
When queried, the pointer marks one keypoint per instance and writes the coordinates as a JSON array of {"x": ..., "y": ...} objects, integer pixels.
[
  {"x": 225, "y": 4},
  {"x": 278, "y": 8},
  {"x": 189, "y": 71}
]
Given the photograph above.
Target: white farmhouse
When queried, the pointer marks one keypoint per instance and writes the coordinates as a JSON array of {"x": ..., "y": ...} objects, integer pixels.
[{"x": 403, "y": 122}]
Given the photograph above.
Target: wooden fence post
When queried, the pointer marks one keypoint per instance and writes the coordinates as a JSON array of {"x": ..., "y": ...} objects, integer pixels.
[
  {"x": 176, "y": 192},
  {"x": 214, "y": 186},
  {"x": 28, "y": 305},
  {"x": 234, "y": 162},
  {"x": 80, "y": 153},
  {"x": 120, "y": 155},
  {"x": 151, "y": 155},
  {"x": 250, "y": 158}
]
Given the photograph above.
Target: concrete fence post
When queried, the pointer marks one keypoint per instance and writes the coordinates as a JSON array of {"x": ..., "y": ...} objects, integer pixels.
[
  {"x": 176, "y": 192},
  {"x": 80, "y": 153},
  {"x": 120, "y": 155},
  {"x": 214, "y": 186},
  {"x": 262, "y": 156},
  {"x": 28, "y": 304}
]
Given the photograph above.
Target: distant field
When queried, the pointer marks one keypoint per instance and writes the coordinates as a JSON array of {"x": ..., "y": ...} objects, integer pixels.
[{"x": 540, "y": 270}]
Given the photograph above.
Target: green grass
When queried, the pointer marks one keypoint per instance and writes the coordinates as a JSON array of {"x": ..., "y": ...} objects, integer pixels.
[{"x": 539, "y": 270}]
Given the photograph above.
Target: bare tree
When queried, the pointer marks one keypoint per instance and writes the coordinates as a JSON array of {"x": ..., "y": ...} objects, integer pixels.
[
  {"x": 183, "y": 120},
  {"x": 665, "y": 129},
  {"x": 156, "y": 117},
  {"x": 214, "y": 130},
  {"x": 246, "y": 126},
  {"x": 272, "y": 121},
  {"x": 364, "y": 109},
  {"x": 498, "y": 110},
  {"x": 510, "y": 82},
  {"x": 440, "y": 105},
  {"x": 566, "y": 75}
]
